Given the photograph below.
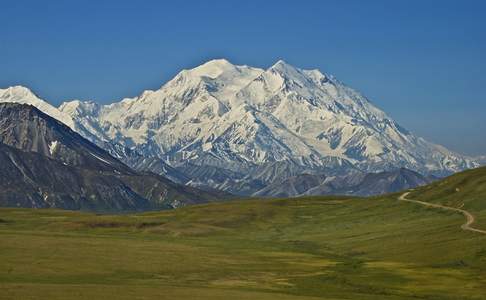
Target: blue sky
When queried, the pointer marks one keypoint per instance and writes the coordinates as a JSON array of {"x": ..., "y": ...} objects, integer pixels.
[{"x": 423, "y": 62}]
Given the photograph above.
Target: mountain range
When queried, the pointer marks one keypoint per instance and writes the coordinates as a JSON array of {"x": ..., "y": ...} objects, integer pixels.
[
  {"x": 355, "y": 184},
  {"x": 246, "y": 130},
  {"x": 481, "y": 159},
  {"x": 43, "y": 163}
]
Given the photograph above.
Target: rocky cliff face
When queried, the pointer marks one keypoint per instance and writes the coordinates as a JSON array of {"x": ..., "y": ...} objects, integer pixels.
[
  {"x": 29, "y": 179},
  {"x": 43, "y": 163}
]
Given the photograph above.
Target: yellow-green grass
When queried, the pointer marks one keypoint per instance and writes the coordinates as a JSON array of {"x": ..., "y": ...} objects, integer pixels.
[
  {"x": 307, "y": 248},
  {"x": 466, "y": 190}
]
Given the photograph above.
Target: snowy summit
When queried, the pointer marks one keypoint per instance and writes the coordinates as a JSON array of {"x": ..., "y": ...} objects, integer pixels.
[{"x": 239, "y": 117}]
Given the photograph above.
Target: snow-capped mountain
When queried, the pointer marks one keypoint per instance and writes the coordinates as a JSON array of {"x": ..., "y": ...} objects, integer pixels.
[
  {"x": 43, "y": 163},
  {"x": 239, "y": 118},
  {"x": 22, "y": 95},
  {"x": 481, "y": 159}
]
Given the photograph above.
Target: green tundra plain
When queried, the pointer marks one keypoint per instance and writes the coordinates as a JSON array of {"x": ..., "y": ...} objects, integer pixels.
[{"x": 303, "y": 248}]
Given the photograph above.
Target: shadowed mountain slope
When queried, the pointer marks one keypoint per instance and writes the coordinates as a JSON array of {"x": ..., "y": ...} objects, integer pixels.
[{"x": 46, "y": 164}]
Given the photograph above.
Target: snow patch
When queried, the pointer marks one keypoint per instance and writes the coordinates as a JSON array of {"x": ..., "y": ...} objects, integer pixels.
[
  {"x": 53, "y": 147},
  {"x": 100, "y": 158}
]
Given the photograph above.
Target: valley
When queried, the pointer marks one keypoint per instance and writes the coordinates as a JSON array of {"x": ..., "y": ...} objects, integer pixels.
[
  {"x": 303, "y": 248},
  {"x": 242, "y": 150}
]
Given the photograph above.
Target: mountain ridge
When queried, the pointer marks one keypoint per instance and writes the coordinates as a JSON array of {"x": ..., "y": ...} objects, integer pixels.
[
  {"x": 353, "y": 184},
  {"x": 44, "y": 163},
  {"x": 239, "y": 118}
]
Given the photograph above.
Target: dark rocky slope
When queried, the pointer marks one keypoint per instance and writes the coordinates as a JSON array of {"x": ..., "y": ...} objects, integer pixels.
[
  {"x": 43, "y": 163},
  {"x": 357, "y": 183}
]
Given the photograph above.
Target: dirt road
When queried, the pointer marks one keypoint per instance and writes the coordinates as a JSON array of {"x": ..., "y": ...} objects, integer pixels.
[{"x": 469, "y": 217}]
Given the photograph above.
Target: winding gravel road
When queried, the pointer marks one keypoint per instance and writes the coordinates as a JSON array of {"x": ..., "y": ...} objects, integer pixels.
[{"x": 469, "y": 217}]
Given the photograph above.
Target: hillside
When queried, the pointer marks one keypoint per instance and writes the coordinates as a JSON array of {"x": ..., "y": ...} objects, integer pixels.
[
  {"x": 28, "y": 179},
  {"x": 43, "y": 163},
  {"x": 305, "y": 248},
  {"x": 466, "y": 190}
]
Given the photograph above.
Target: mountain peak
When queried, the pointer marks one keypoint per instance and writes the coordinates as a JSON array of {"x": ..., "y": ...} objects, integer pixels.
[
  {"x": 281, "y": 64},
  {"x": 285, "y": 70},
  {"x": 23, "y": 95},
  {"x": 213, "y": 68},
  {"x": 218, "y": 61},
  {"x": 76, "y": 106},
  {"x": 283, "y": 67},
  {"x": 17, "y": 91}
]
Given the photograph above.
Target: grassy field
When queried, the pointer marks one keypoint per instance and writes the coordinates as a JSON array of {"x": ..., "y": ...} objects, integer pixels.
[
  {"x": 308, "y": 248},
  {"x": 466, "y": 190}
]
